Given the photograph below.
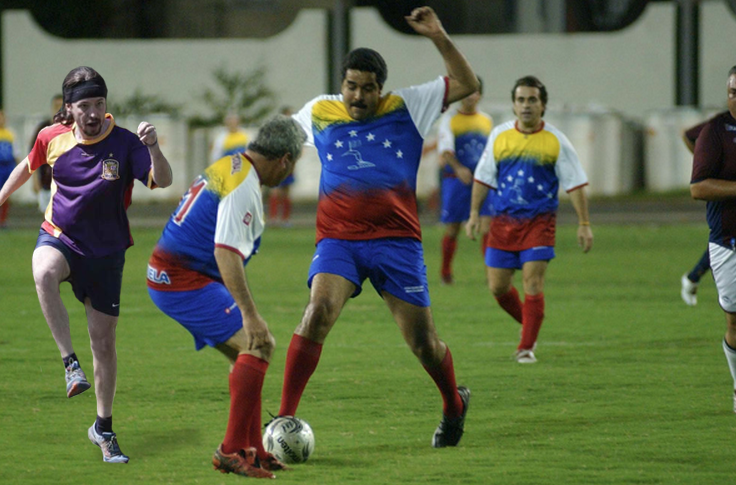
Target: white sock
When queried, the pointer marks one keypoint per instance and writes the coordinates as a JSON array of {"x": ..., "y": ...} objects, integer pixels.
[{"x": 731, "y": 359}]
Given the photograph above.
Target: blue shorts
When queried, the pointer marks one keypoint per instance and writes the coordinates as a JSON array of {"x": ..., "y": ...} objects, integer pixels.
[
  {"x": 289, "y": 180},
  {"x": 5, "y": 170},
  {"x": 497, "y": 258},
  {"x": 210, "y": 313},
  {"x": 393, "y": 265},
  {"x": 456, "y": 201},
  {"x": 99, "y": 279}
]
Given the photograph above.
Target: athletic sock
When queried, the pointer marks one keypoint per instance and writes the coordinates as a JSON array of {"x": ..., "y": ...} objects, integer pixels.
[
  {"x": 701, "y": 268},
  {"x": 103, "y": 425},
  {"x": 532, "y": 317},
  {"x": 444, "y": 377},
  {"x": 69, "y": 359},
  {"x": 287, "y": 209},
  {"x": 731, "y": 359},
  {"x": 4, "y": 212},
  {"x": 273, "y": 206},
  {"x": 302, "y": 358},
  {"x": 246, "y": 382},
  {"x": 449, "y": 245},
  {"x": 511, "y": 304}
]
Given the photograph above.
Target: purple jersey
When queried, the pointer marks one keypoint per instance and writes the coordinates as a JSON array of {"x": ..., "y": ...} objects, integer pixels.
[
  {"x": 92, "y": 185},
  {"x": 715, "y": 158}
]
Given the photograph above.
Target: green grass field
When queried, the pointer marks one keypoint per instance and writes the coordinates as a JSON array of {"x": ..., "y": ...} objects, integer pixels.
[{"x": 631, "y": 386}]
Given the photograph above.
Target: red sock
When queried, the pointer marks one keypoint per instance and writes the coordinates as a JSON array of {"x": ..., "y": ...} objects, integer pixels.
[
  {"x": 444, "y": 377},
  {"x": 287, "y": 208},
  {"x": 511, "y": 303},
  {"x": 533, "y": 312},
  {"x": 4, "y": 211},
  {"x": 302, "y": 358},
  {"x": 273, "y": 206},
  {"x": 449, "y": 245},
  {"x": 246, "y": 382}
]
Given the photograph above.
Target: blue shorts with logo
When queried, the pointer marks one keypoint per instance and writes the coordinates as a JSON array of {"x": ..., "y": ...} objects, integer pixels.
[
  {"x": 497, "y": 258},
  {"x": 393, "y": 265},
  {"x": 99, "y": 279},
  {"x": 456, "y": 201},
  {"x": 210, "y": 313}
]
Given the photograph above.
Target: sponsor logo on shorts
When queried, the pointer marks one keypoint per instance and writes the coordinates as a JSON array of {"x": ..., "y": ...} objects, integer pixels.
[
  {"x": 115, "y": 305},
  {"x": 414, "y": 289},
  {"x": 110, "y": 169},
  {"x": 230, "y": 310},
  {"x": 248, "y": 218}
]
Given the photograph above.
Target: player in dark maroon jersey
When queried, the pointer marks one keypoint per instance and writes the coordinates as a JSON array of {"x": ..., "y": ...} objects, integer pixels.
[{"x": 714, "y": 180}]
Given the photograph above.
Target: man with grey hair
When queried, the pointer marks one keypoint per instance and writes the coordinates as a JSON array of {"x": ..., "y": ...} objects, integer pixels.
[{"x": 196, "y": 276}]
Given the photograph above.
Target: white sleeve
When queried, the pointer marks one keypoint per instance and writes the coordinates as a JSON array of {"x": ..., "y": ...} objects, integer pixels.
[
  {"x": 216, "y": 152},
  {"x": 304, "y": 116},
  {"x": 425, "y": 103},
  {"x": 445, "y": 136},
  {"x": 486, "y": 171},
  {"x": 240, "y": 218},
  {"x": 568, "y": 168}
]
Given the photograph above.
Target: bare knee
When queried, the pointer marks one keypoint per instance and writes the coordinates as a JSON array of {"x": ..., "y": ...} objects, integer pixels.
[
  {"x": 429, "y": 351},
  {"x": 319, "y": 316}
]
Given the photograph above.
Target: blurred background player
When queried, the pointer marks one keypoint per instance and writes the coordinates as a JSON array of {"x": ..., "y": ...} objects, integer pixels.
[
  {"x": 84, "y": 238},
  {"x": 461, "y": 138},
  {"x": 233, "y": 139},
  {"x": 525, "y": 162},
  {"x": 42, "y": 178},
  {"x": 690, "y": 281},
  {"x": 714, "y": 180},
  {"x": 278, "y": 197},
  {"x": 7, "y": 163},
  {"x": 196, "y": 277},
  {"x": 370, "y": 147}
]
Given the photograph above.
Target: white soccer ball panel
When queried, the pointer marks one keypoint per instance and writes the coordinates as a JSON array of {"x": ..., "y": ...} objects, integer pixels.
[{"x": 290, "y": 439}]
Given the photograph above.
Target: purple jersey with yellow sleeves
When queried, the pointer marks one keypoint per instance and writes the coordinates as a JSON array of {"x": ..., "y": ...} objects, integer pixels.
[
  {"x": 92, "y": 186},
  {"x": 369, "y": 167}
]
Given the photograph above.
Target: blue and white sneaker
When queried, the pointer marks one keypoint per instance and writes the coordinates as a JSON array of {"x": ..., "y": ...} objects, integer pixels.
[
  {"x": 76, "y": 380},
  {"x": 108, "y": 443}
]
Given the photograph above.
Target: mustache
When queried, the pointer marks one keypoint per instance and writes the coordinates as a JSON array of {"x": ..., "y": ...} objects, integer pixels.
[{"x": 358, "y": 105}]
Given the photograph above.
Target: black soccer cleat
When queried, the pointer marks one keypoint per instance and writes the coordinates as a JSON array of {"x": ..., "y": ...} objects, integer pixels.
[{"x": 450, "y": 430}]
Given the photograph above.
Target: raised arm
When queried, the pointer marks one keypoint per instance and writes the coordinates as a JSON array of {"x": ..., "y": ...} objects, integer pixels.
[
  {"x": 462, "y": 78},
  {"x": 162, "y": 174}
]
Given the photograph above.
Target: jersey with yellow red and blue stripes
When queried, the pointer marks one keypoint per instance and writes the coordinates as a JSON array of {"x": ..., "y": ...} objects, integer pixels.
[
  {"x": 527, "y": 169},
  {"x": 222, "y": 208},
  {"x": 369, "y": 167},
  {"x": 465, "y": 135}
]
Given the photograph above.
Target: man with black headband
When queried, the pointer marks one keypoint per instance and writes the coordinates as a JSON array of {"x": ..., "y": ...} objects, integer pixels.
[
  {"x": 370, "y": 145},
  {"x": 86, "y": 233}
]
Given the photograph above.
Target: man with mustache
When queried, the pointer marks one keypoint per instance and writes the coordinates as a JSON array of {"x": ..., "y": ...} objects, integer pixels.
[
  {"x": 525, "y": 161},
  {"x": 86, "y": 233},
  {"x": 370, "y": 144}
]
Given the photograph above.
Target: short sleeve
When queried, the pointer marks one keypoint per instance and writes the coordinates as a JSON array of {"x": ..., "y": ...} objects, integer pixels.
[
  {"x": 707, "y": 155},
  {"x": 240, "y": 219},
  {"x": 425, "y": 103},
  {"x": 487, "y": 169},
  {"x": 445, "y": 136},
  {"x": 568, "y": 167}
]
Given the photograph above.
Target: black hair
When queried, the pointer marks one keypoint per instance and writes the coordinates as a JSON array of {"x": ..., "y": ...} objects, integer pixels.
[
  {"x": 77, "y": 76},
  {"x": 366, "y": 60}
]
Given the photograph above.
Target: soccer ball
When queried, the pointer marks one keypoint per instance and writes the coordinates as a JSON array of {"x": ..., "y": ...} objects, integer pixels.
[{"x": 290, "y": 439}]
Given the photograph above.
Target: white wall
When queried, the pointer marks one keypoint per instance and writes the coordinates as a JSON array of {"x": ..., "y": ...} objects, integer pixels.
[{"x": 628, "y": 73}]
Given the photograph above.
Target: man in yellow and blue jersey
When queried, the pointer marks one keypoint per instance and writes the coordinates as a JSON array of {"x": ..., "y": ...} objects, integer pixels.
[
  {"x": 196, "y": 276},
  {"x": 525, "y": 162},
  {"x": 461, "y": 137},
  {"x": 369, "y": 145},
  {"x": 231, "y": 141}
]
